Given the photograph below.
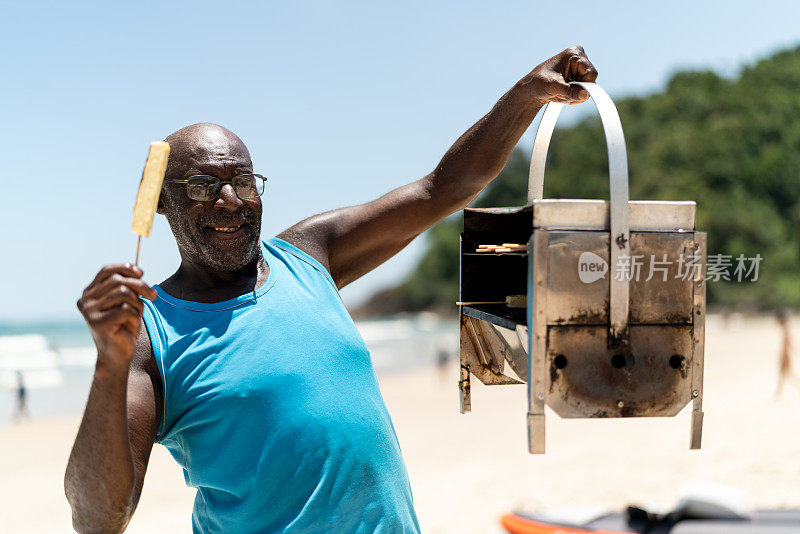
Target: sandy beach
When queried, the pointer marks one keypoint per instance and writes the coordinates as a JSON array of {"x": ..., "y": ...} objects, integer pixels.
[{"x": 466, "y": 470}]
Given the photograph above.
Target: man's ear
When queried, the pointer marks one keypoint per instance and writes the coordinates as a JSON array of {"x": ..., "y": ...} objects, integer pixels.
[{"x": 160, "y": 209}]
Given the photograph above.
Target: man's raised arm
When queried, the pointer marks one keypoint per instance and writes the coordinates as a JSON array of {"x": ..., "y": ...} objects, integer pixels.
[{"x": 352, "y": 241}]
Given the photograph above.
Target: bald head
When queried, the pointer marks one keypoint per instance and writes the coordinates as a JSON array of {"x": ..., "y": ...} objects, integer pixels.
[{"x": 204, "y": 144}]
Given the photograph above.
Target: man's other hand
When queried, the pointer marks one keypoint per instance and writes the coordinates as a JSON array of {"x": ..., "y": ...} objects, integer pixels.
[
  {"x": 112, "y": 309},
  {"x": 549, "y": 82}
]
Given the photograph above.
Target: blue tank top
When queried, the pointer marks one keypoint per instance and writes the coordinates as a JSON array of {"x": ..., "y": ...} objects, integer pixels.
[{"x": 272, "y": 408}]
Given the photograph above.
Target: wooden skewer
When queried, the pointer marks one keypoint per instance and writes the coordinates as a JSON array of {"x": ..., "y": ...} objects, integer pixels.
[
  {"x": 138, "y": 243},
  {"x": 512, "y": 301}
]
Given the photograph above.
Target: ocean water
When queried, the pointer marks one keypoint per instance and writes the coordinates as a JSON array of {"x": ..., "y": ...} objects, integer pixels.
[{"x": 56, "y": 359}]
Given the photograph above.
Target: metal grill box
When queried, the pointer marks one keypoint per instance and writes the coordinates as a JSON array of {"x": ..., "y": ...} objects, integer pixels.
[{"x": 603, "y": 313}]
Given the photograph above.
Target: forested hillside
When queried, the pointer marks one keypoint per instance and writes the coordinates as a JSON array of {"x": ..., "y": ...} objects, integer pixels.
[{"x": 731, "y": 145}]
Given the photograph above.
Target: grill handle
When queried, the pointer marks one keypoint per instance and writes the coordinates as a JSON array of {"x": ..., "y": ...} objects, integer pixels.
[{"x": 618, "y": 181}]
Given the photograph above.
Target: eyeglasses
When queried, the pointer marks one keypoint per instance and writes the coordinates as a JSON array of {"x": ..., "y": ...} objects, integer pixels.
[{"x": 205, "y": 188}]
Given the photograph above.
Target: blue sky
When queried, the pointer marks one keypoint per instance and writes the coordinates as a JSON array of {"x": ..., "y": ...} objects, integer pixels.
[{"x": 338, "y": 103}]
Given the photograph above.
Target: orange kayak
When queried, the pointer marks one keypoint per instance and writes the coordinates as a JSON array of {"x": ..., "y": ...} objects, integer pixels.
[{"x": 519, "y": 525}]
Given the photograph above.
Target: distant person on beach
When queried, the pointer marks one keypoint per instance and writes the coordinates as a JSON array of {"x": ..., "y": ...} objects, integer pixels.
[
  {"x": 785, "y": 356},
  {"x": 244, "y": 363},
  {"x": 21, "y": 411},
  {"x": 442, "y": 358}
]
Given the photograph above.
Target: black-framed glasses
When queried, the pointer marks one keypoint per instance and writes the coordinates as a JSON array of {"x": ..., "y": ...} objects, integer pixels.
[{"x": 204, "y": 188}]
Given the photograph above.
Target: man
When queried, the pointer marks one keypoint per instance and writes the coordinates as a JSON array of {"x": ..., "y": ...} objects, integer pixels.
[{"x": 248, "y": 368}]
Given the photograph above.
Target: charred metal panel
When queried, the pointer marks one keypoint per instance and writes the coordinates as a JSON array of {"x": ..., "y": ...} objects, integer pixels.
[
  {"x": 589, "y": 379},
  {"x": 663, "y": 296}
]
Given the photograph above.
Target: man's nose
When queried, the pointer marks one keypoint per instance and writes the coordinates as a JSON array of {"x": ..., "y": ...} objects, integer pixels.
[{"x": 227, "y": 199}]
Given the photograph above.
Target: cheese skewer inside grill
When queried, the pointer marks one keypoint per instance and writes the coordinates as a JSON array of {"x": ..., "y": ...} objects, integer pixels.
[{"x": 500, "y": 249}]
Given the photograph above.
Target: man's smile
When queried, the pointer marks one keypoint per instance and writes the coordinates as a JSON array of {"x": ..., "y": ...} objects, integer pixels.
[{"x": 227, "y": 230}]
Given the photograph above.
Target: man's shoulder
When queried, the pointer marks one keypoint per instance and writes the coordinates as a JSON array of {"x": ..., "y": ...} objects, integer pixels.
[
  {"x": 302, "y": 237},
  {"x": 299, "y": 253}
]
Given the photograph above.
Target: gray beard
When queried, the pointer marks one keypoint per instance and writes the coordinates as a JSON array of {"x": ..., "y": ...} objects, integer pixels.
[{"x": 192, "y": 243}]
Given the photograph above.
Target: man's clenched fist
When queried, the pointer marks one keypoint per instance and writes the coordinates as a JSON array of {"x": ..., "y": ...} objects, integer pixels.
[
  {"x": 112, "y": 309},
  {"x": 549, "y": 82}
]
